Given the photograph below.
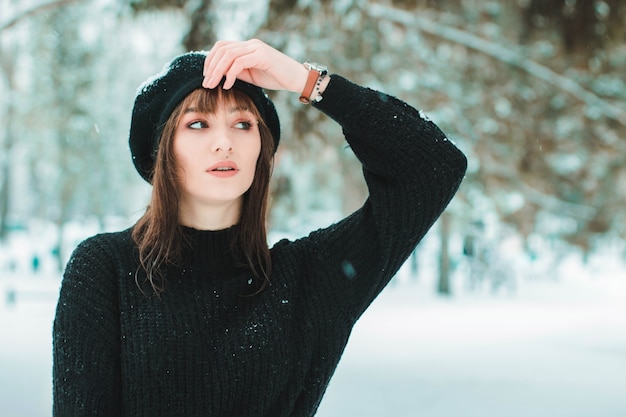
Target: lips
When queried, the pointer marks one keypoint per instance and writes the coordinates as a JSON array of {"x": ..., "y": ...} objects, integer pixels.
[{"x": 223, "y": 169}]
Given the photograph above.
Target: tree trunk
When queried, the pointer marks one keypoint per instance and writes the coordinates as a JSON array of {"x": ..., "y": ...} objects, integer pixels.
[
  {"x": 200, "y": 32},
  {"x": 7, "y": 67},
  {"x": 443, "y": 287},
  {"x": 5, "y": 176}
]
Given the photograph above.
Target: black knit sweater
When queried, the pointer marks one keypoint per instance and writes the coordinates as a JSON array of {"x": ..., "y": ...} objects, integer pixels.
[{"x": 205, "y": 349}]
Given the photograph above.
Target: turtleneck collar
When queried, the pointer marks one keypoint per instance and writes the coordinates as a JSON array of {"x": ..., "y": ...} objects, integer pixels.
[{"x": 209, "y": 250}]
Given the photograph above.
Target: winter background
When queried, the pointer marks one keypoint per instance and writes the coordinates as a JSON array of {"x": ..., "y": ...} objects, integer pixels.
[{"x": 515, "y": 302}]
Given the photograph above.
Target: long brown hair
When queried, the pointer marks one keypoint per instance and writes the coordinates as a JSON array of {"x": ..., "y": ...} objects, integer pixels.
[{"x": 158, "y": 233}]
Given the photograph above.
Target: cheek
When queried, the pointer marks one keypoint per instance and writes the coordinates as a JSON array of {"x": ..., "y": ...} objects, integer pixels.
[
  {"x": 176, "y": 149},
  {"x": 252, "y": 160},
  {"x": 253, "y": 152},
  {"x": 183, "y": 152},
  {"x": 181, "y": 164}
]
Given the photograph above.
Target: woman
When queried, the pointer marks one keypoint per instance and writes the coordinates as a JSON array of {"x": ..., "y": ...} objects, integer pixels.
[{"x": 189, "y": 313}]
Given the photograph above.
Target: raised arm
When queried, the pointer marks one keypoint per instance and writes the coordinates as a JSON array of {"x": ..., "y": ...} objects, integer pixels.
[{"x": 412, "y": 171}]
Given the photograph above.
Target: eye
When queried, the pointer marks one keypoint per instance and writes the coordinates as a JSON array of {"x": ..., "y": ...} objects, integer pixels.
[
  {"x": 243, "y": 125},
  {"x": 198, "y": 124}
]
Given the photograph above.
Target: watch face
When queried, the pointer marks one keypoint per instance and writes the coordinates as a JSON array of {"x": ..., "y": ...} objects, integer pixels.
[{"x": 316, "y": 67}]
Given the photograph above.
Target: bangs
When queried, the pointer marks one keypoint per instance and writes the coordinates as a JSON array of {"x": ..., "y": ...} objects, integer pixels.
[{"x": 208, "y": 101}]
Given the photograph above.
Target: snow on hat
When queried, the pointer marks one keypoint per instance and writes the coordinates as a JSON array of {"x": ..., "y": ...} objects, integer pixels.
[{"x": 158, "y": 96}]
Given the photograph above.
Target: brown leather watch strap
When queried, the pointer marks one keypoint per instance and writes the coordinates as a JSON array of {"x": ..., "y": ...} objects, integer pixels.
[{"x": 309, "y": 86}]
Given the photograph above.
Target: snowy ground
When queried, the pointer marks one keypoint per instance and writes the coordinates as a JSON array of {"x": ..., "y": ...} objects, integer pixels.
[
  {"x": 552, "y": 350},
  {"x": 546, "y": 347}
]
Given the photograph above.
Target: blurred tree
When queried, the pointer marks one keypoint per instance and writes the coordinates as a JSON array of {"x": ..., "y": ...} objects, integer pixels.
[
  {"x": 8, "y": 54},
  {"x": 533, "y": 91},
  {"x": 200, "y": 15},
  {"x": 30, "y": 12},
  {"x": 583, "y": 26},
  {"x": 201, "y": 29},
  {"x": 542, "y": 134},
  {"x": 7, "y": 68},
  {"x": 68, "y": 146}
]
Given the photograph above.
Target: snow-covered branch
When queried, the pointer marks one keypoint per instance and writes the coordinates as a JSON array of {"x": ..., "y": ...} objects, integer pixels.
[
  {"x": 546, "y": 202},
  {"x": 33, "y": 10},
  {"x": 558, "y": 206},
  {"x": 506, "y": 54}
]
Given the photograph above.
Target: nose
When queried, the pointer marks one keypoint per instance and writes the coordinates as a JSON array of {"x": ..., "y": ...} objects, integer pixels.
[
  {"x": 223, "y": 144},
  {"x": 223, "y": 148}
]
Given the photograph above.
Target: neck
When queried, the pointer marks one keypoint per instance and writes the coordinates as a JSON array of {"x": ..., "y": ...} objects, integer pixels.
[{"x": 210, "y": 216}]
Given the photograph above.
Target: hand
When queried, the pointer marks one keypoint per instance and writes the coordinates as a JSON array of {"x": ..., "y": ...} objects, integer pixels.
[{"x": 255, "y": 62}]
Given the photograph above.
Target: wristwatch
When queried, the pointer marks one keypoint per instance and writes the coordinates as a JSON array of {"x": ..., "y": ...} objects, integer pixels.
[{"x": 311, "y": 91}]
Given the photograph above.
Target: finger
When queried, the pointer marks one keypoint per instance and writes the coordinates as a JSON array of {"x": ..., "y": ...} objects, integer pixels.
[
  {"x": 238, "y": 69},
  {"x": 213, "y": 53},
  {"x": 225, "y": 51},
  {"x": 212, "y": 57},
  {"x": 221, "y": 61},
  {"x": 209, "y": 64}
]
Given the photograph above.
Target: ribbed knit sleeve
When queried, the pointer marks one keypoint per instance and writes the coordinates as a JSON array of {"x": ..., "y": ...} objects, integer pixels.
[
  {"x": 86, "y": 336},
  {"x": 412, "y": 172}
]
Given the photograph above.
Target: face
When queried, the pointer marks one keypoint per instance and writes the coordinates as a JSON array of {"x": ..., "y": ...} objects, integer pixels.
[{"x": 216, "y": 155}]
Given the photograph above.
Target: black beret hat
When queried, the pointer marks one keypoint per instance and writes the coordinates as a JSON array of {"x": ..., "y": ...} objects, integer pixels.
[{"x": 158, "y": 97}]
